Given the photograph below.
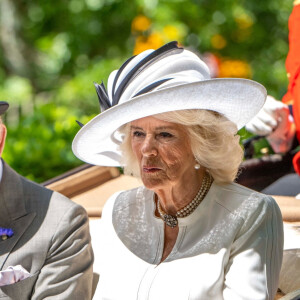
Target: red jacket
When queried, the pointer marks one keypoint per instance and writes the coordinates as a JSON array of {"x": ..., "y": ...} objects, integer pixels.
[{"x": 293, "y": 70}]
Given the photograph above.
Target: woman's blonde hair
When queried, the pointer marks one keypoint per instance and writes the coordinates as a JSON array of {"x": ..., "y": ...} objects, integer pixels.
[{"x": 214, "y": 142}]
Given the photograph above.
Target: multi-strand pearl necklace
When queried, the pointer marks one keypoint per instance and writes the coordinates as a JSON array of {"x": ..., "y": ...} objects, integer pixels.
[{"x": 188, "y": 209}]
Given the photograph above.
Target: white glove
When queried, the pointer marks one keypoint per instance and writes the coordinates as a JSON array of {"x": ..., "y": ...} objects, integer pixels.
[{"x": 274, "y": 121}]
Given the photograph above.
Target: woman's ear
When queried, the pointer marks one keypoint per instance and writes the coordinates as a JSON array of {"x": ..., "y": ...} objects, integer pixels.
[{"x": 3, "y": 132}]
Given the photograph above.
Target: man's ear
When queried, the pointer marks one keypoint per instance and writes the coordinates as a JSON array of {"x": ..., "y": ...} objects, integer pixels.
[{"x": 3, "y": 132}]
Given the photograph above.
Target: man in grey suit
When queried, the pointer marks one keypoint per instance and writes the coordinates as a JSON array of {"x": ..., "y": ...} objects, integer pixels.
[{"x": 49, "y": 238}]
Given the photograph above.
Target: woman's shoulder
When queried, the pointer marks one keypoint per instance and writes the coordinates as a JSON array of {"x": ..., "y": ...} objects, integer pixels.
[
  {"x": 127, "y": 200},
  {"x": 243, "y": 201},
  {"x": 238, "y": 193}
]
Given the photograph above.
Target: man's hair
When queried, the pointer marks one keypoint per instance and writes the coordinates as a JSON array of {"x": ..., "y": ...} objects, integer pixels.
[{"x": 213, "y": 138}]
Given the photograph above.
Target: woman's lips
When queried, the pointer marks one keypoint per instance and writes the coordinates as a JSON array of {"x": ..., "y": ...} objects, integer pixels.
[{"x": 151, "y": 169}]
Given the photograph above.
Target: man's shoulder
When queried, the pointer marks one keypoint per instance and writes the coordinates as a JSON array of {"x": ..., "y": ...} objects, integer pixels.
[
  {"x": 34, "y": 188},
  {"x": 38, "y": 197}
]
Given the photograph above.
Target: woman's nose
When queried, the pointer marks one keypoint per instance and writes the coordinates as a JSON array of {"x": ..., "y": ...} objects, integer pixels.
[{"x": 149, "y": 147}]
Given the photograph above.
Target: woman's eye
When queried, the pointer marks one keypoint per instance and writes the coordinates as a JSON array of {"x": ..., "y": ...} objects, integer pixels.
[
  {"x": 165, "y": 135},
  {"x": 137, "y": 133}
]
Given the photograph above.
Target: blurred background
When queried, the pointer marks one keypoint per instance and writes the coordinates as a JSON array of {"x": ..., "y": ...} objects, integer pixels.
[{"x": 51, "y": 52}]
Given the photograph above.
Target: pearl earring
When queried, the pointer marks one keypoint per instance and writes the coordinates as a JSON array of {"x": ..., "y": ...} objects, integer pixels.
[{"x": 197, "y": 165}]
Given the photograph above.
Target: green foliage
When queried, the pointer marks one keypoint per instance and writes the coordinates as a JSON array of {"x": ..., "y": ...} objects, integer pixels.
[
  {"x": 39, "y": 147},
  {"x": 79, "y": 91}
]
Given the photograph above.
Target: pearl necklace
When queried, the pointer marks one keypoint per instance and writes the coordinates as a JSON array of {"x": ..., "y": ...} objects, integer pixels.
[{"x": 188, "y": 209}]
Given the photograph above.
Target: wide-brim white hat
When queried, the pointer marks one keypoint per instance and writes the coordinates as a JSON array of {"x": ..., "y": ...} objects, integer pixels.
[{"x": 154, "y": 82}]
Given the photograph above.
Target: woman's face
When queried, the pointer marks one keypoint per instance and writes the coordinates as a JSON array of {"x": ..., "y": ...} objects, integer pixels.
[{"x": 163, "y": 152}]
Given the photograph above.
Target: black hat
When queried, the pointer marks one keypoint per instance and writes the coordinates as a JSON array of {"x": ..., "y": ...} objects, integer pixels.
[{"x": 3, "y": 107}]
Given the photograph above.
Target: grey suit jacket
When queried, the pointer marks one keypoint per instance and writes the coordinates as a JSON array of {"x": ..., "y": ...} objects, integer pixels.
[{"x": 51, "y": 241}]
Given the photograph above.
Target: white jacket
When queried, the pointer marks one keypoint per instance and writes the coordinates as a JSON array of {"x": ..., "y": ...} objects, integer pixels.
[{"x": 230, "y": 247}]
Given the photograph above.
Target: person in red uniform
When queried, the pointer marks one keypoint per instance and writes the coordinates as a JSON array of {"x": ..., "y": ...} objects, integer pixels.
[
  {"x": 275, "y": 121},
  {"x": 292, "y": 97}
]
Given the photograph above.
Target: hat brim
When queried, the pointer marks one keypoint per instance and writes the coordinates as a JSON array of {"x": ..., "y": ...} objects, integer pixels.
[{"x": 239, "y": 100}]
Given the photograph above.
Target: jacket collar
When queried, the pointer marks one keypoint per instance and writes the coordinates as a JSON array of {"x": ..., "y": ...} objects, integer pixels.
[
  {"x": 13, "y": 213},
  {"x": 11, "y": 195}
]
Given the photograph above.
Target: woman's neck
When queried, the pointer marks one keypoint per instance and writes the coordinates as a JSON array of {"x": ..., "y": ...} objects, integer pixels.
[{"x": 174, "y": 197}]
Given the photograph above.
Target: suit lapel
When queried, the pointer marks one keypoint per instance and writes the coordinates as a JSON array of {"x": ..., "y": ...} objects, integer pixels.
[
  {"x": 11, "y": 195},
  {"x": 13, "y": 212},
  {"x": 19, "y": 227}
]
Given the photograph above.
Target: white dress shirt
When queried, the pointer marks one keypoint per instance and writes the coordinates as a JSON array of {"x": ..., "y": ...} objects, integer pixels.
[{"x": 229, "y": 248}]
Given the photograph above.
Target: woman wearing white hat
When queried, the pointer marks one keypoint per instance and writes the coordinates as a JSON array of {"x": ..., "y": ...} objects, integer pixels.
[{"x": 189, "y": 232}]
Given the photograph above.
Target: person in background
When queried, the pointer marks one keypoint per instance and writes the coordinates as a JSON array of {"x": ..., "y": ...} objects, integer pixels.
[
  {"x": 45, "y": 249},
  {"x": 275, "y": 120},
  {"x": 189, "y": 232}
]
